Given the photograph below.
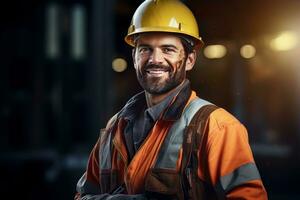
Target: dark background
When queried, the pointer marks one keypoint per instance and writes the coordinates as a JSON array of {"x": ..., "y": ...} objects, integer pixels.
[{"x": 54, "y": 100}]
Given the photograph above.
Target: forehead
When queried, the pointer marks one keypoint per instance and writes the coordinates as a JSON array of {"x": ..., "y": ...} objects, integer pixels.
[{"x": 158, "y": 39}]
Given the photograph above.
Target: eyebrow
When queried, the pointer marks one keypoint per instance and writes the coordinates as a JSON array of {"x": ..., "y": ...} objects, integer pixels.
[
  {"x": 161, "y": 46},
  {"x": 143, "y": 45},
  {"x": 169, "y": 46}
]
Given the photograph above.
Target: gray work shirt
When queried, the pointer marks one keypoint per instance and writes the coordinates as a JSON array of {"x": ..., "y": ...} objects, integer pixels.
[{"x": 139, "y": 127}]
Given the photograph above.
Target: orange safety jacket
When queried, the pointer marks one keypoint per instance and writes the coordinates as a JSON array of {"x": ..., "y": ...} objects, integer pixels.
[{"x": 225, "y": 164}]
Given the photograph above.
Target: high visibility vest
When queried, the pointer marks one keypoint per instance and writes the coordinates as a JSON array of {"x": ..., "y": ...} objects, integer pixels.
[{"x": 156, "y": 167}]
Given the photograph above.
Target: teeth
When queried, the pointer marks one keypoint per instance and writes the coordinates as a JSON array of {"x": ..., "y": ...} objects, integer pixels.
[{"x": 155, "y": 72}]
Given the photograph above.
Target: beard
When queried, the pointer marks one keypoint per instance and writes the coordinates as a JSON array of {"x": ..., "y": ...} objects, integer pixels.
[{"x": 171, "y": 78}]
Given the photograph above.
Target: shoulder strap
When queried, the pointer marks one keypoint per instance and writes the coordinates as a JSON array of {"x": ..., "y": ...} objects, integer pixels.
[{"x": 192, "y": 140}]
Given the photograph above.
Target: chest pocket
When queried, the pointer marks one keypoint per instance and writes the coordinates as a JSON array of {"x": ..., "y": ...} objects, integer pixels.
[{"x": 165, "y": 178}]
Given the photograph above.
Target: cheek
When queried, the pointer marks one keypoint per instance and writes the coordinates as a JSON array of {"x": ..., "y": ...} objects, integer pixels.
[
  {"x": 178, "y": 62},
  {"x": 138, "y": 62},
  {"x": 141, "y": 60},
  {"x": 181, "y": 59}
]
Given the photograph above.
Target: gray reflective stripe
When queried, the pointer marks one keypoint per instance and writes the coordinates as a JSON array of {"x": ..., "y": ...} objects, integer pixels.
[
  {"x": 241, "y": 175},
  {"x": 105, "y": 152},
  {"x": 168, "y": 154},
  {"x": 86, "y": 187}
]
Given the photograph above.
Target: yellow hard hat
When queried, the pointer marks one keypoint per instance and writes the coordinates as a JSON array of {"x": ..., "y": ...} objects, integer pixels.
[{"x": 163, "y": 16}]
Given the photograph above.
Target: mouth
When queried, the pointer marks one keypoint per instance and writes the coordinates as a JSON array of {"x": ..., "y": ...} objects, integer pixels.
[{"x": 157, "y": 72}]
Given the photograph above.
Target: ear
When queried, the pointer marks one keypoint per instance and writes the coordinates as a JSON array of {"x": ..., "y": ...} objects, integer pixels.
[
  {"x": 133, "y": 57},
  {"x": 191, "y": 60}
]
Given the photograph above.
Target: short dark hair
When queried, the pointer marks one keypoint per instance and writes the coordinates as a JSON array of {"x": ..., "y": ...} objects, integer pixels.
[{"x": 188, "y": 44}]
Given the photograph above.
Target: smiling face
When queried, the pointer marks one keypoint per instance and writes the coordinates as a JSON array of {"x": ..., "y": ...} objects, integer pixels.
[{"x": 160, "y": 62}]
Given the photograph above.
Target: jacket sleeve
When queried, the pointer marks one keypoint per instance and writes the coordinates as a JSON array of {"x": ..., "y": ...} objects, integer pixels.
[
  {"x": 88, "y": 186},
  {"x": 226, "y": 160}
]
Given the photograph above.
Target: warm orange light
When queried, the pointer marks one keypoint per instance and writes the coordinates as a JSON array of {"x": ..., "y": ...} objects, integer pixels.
[{"x": 285, "y": 41}]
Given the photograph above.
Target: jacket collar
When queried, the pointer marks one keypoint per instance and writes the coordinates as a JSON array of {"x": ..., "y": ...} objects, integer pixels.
[
  {"x": 178, "y": 104},
  {"x": 172, "y": 112}
]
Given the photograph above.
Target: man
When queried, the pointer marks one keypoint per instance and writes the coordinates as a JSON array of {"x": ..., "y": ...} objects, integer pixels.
[{"x": 156, "y": 147}]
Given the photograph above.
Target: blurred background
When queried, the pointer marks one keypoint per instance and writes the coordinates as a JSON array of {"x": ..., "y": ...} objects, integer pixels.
[{"x": 65, "y": 70}]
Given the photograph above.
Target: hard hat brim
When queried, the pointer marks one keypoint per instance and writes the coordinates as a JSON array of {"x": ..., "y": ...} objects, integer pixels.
[{"x": 129, "y": 39}]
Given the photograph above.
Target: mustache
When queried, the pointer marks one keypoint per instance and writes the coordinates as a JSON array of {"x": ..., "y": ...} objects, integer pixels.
[{"x": 158, "y": 67}]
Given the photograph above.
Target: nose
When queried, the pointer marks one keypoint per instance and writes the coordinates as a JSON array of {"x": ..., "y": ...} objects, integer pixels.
[{"x": 156, "y": 57}]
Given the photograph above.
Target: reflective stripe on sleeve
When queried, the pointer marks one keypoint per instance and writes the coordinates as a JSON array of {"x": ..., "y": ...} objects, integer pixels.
[
  {"x": 86, "y": 187},
  {"x": 241, "y": 175},
  {"x": 105, "y": 153}
]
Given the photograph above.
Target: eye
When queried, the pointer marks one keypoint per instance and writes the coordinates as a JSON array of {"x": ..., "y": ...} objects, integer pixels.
[
  {"x": 144, "y": 49},
  {"x": 168, "y": 50}
]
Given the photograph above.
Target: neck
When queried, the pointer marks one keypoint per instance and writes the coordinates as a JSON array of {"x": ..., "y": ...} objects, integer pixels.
[{"x": 153, "y": 99}]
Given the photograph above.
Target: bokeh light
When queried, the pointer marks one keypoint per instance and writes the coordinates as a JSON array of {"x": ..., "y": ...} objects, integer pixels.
[
  {"x": 285, "y": 41},
  {"x": 247, "y": 51},
  {"x": 119, "y": 65},
  {"x": 215, "y": 51}
]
